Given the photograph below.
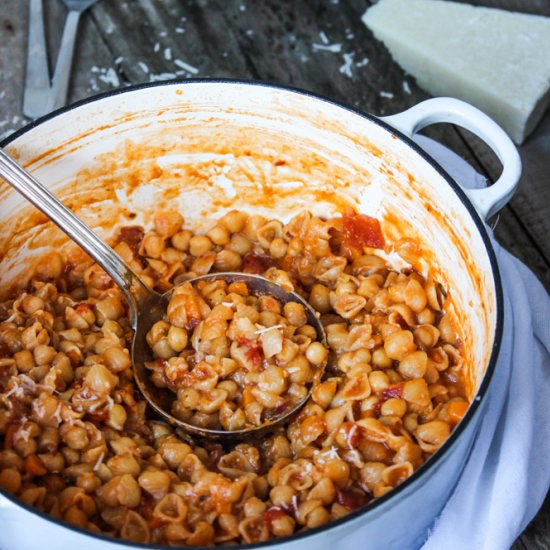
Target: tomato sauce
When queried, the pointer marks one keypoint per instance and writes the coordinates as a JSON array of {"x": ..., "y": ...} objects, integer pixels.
[
  {"x": 351, "y": 498},
  {"x": 256, "y": 263},
  {"x": 253, "y": 351},
  {"x": 272, "y": 514},
  {"x": 361, "y": 230},
  {"x": 388, "y": 393},
  {"x": 132, "y": 236}
]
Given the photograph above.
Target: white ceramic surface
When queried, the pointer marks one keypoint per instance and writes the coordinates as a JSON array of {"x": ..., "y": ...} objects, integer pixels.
[{"x": 207, "y": 147}]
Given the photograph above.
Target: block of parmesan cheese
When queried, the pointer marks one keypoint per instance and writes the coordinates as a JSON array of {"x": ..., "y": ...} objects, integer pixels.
[{"x": 497, "y": 60}]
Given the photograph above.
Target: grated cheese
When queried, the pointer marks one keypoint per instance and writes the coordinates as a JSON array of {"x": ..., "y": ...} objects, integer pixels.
[
  {"x": 351, "y": 433},
  {"x": 262, "y": 329},
  {"x": 346, "y": 68},
  {"x": 330, "y": 454},
  {"x": 183, "y": 65},
  {"x": 22, "y": 434},
  {"x": 98, "y": 462},
  {"x": 57, "y": 413},
  {"x": 333, "y": 48}
]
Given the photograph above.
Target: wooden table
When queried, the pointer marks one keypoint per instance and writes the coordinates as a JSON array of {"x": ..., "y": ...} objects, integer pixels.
[{"x": 284, "y": 42}]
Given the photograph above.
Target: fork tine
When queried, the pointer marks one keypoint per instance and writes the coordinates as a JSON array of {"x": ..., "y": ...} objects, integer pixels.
[
  {"x": 62, "y": 74},
  {"x": 37, "y": 78},
  {"x": 78, "y": 5}
]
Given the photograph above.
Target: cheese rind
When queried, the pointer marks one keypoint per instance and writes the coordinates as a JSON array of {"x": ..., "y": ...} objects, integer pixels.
[{"x": 498, "y": 61}]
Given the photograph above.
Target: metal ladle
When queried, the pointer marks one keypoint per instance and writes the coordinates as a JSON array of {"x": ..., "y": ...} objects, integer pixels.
[{"x": 147, "y": 306}]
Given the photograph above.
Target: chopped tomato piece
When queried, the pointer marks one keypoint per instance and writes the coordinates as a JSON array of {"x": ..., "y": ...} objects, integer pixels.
[
  {"x": 456, "y": 410},
  {"x": 392, "y": 391},
  {"x": 34, "y": 466},
  {"x": 156, "y": 522},
  {"x": 351, "y": 498},
  {"x": 132, "y": 236},
  {"x": 361, "y": 230},
  {"x": 254, "y": 355},
  {"x": 272, "y": 514},
  {"x": 192, "y": 309},
  {"x": 255, "y": 263},
  {"x": 253, "y": 351}
]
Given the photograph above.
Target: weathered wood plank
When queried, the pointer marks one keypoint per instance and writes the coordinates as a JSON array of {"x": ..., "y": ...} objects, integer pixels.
[
  {"x": 13, "y": 30},
  {"x": 537, "y": 535}
]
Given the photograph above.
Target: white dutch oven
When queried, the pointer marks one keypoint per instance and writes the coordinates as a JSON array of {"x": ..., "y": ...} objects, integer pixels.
[{"x": 209, "y": 146}]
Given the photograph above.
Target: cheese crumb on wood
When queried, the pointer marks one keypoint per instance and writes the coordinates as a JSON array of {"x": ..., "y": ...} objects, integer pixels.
[{"x": 497, "y": 60}]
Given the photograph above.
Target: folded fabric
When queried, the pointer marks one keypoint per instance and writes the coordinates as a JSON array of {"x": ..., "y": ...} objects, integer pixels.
[{"x": 507, "y": 474}]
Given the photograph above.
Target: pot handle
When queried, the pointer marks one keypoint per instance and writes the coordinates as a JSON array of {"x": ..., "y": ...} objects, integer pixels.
[{"x": 487, "y": 201}]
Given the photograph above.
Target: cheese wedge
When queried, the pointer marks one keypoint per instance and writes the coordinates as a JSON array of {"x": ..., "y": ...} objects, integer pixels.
[{"x": 497, "y": 60}]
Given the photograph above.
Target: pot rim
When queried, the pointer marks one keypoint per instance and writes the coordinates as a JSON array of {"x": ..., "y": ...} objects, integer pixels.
[{"x": 480, "y": 225}]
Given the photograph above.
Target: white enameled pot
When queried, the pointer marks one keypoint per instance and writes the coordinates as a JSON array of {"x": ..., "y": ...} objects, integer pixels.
[{"x": 209, "y": 146}]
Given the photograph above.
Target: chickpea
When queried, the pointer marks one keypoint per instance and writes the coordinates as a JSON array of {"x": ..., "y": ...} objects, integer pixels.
[
  {"x": 219, "y": 235},
  {"x": 117, "y": 359},
  {"x": 278, "y": 248},
  {"x": 228, "y": 260},
  {"x": 177, "y": 338},
  {"x": 109, "y": 308},
  {"x": 399, "y": 344},
  {"x": 318, "y": 516},
  {"x": 234, "y": 221},
  {"x": 338, "y": 471},
  {"x": 282, "y": 495},
  {"x": 76, "y": 516},
  {"x": 199, "y": 245},
  {"x": 32, "y": 304},
  {"x": 10, "y": 480},
  {"x": 393, "y": 407},
  {"x": 117, "y": 417},
  {"x": 434, "y": 432},
  {"x": 240, "y": 244},
  {"x": 180, "y": 240},
  {"x": 282, "y": 525},
  {"x": 379, "y": 381},
  {"x": 414, "y": 365},
  {"x": 44, "y": 355},
  {"x": 88, "y": 481},
  {"x": 124, "y": 464},
  {"x": 380, "y": 359},
  {"x": 24, "y": 360},
  {"x": 154, "y": 245},
  {"x": 100, "y": 379},
  {"x": 76, "y": 437},
  {"x": 168, "y": 223},
  {"x": 316, "y": 353}
]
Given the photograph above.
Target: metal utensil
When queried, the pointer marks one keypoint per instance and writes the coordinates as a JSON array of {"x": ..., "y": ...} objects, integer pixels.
[
  {"x": 37, "y": 77},
  {"x": 39, "y": 97},
  {"x": 63, "y": 65},
  {"x": 146, "y": 306}
]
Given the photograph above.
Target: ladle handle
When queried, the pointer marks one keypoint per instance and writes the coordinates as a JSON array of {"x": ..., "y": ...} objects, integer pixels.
[{"x": 48, "y": 204}]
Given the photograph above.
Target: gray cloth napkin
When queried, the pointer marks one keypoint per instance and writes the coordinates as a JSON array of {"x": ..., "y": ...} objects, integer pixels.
[{"x": 507, "y": 475}]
